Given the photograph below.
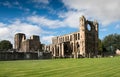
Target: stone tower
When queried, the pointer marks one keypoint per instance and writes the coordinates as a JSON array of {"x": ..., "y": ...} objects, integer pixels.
[
  {"x": 27, "y": 45},
  {"x": 19, "y": 37},
  {"x": 88, "y": 37}
]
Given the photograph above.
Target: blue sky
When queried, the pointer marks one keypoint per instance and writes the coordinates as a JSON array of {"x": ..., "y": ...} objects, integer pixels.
[{"x": 49, "y": 18}]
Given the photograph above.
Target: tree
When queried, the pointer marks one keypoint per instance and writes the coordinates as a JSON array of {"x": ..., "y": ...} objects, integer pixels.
[
  {"x": 100, "y": 47},
  {"x": 5, "y": 45},
  {"x": 112, "y": 42}
]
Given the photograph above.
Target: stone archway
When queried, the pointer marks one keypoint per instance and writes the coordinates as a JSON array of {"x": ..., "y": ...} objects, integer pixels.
[{"x": 67, "y": 49}]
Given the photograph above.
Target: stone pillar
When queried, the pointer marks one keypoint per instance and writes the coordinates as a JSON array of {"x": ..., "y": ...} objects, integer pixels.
[
  {"x": 62, "y": 49},
  {"x": 54, "y": 51},
  {"x": 75, "y": 48},
  {"x": 96, "y": 37},
  {"x": 59, "y": 50}
]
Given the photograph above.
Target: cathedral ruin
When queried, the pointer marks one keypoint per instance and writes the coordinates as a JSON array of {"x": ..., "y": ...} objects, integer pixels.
[{"x": 83, "y": 43}]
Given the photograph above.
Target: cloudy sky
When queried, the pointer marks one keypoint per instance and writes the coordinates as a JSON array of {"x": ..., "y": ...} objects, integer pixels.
[{"x": 49, "y": 18}]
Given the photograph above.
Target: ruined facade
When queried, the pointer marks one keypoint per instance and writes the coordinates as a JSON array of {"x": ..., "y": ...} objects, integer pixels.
[
  {"x": 82, "y": 43},
  {"x": 27, "y": 45}
]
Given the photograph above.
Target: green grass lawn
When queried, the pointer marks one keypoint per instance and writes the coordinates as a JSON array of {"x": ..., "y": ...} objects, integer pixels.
[{"x": 87, "y": 67}]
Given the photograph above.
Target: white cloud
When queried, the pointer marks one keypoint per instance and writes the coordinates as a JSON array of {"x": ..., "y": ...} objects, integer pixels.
[
  {"x": 106, "y": 11},
  {"x": 47, "y": 39},
  {"x": 7, "y": 31},
  {"x": 16, "y": 3},
  {"x": 34, "y": 12},
  {"x": 103, "y": 30},
  {"x": 8, "y": 4},
  {"x": 2, "y": 24},
  {"x": 43, "y": 21},
  {"x": 117, "y": 26},
  {"x": 41, "y": 1},
  {"x": 71, "y": 18},
  {"x": 25, "y": 28},
  {"x": 3, "y": 31}
]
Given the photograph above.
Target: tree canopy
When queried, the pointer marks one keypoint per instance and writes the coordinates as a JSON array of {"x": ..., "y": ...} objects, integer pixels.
[
  {"x": 100, "y": 46},
  {"x": 5, "y": 45},
  {"x": 111, "y": 42}
]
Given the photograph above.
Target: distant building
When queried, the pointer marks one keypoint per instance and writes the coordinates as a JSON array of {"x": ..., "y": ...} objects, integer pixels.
[
  {"x": 27, "y": 45},
  {"x": 82, "y": 43}
]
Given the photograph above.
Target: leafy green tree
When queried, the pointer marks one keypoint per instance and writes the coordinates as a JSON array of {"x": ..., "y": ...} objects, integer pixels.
[
  {"x": 5, "y": 45},
  {"x": 100, "y": 47},
  {"x": 112, "y": 42}
]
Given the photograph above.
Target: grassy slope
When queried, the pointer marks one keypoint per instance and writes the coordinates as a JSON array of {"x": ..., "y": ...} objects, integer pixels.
[{"x": 98, "y": 67}]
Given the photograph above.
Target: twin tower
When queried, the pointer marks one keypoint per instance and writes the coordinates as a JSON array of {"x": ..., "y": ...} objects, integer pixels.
[{"x": 22, "y": 44}]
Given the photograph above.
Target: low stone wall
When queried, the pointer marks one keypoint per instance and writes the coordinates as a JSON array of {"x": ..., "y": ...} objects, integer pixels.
[
  {"x": 44, "y": 55},
  {"x": 24, "y": 55},
  {"x": 17, "y": 55}
]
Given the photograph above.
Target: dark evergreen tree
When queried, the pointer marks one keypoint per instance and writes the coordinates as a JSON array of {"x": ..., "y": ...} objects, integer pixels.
[{"x": 5, "y": 45}]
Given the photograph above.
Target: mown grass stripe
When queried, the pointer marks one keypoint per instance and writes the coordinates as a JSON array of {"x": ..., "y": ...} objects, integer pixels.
[{"x": 95, "y": 67}]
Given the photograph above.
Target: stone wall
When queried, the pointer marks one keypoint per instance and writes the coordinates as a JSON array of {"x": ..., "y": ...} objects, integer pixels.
[{"x": 17, "y": 55}]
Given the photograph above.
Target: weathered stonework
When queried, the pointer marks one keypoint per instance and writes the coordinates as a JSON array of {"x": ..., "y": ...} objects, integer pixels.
[
  {"x": 88, "y": 37},
  {"x": 27, "y": 45},
  {"x": 83, "y": 43}
]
